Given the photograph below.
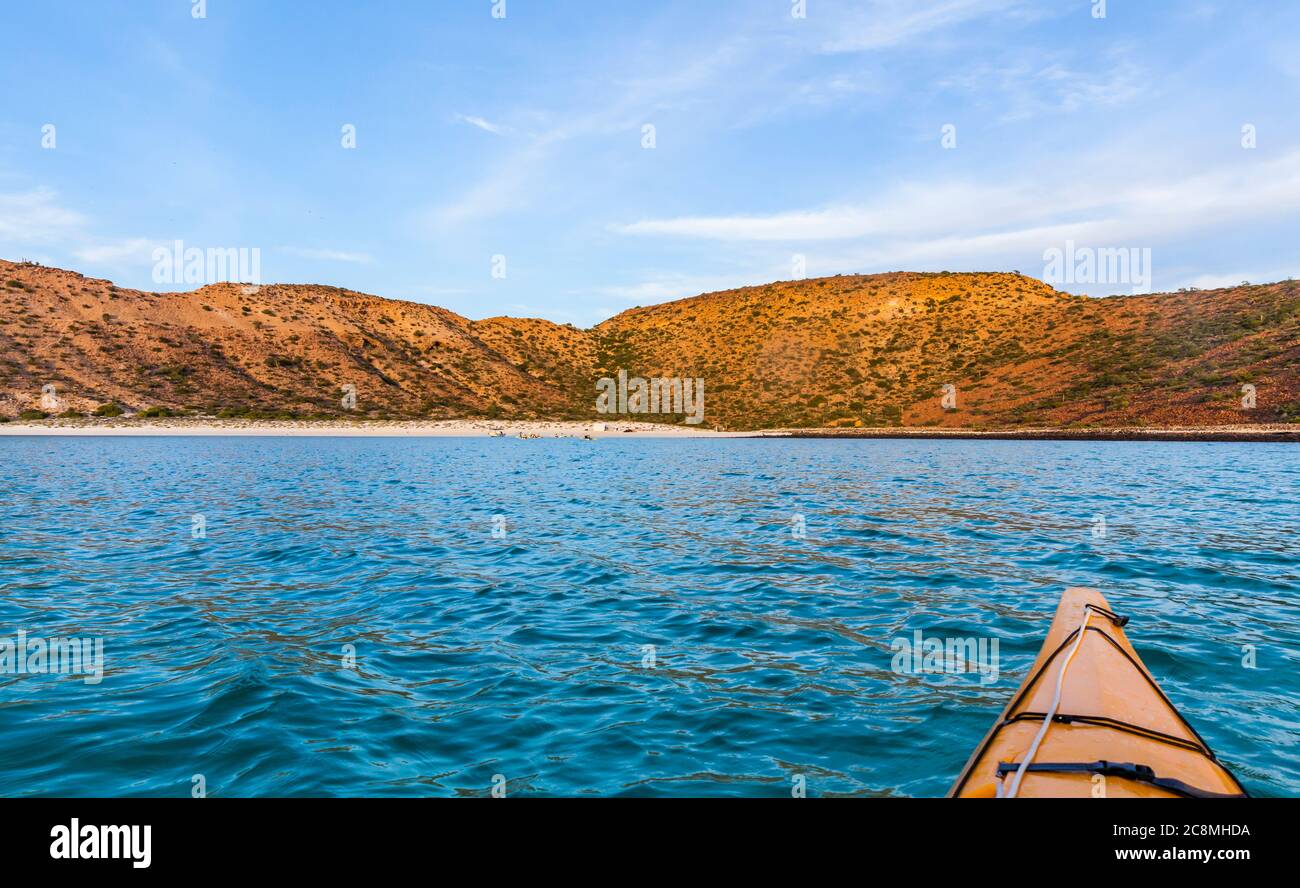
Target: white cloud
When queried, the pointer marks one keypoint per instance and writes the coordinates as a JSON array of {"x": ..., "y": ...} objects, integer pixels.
[
  {"x": 36, "y": 217},
  {"x": 794, "y": 225},
  {"x": 923, "y": 208},
  {"x": 506, "y": 188},
  {"x": 329, "y": 255},
  {"x": 1030, "y": 84},
  {"x": 953, "y": 219},
  {"x": 110, "y": 252},
  {"x": 887, "y": 23},
  {"x": 481, "y": 123}
]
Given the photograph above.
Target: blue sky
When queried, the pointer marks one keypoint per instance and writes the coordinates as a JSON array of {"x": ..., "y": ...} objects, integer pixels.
[{"x": 775, "y": 136}]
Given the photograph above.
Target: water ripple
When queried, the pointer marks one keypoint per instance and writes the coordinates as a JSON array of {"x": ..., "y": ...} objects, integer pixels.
[{"x": 644, "y": 622}]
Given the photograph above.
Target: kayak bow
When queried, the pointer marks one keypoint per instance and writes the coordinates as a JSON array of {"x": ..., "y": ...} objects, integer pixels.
[{"x": 1089, "y": 720}]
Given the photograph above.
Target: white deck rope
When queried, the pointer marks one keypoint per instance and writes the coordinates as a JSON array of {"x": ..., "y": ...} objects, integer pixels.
[{"x": 1051, "y": 711}]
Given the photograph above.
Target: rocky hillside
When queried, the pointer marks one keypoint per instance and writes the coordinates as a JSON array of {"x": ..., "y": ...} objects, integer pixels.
[
  {"x": 878, "y": 349},
  {"x": 870, "y": 350},
  {"x": 272, "y": 351}
]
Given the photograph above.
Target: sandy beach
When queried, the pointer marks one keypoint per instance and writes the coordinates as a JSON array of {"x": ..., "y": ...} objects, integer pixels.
[
  {"x": 458, "y": 428},
  {"x": 468, "y": 428}
]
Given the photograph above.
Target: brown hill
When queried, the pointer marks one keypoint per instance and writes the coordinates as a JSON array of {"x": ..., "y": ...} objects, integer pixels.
[
  {"x": 234, "y": 350},
  {"x": 840, "y": 351},
  {"x": 878, "y": 349}
]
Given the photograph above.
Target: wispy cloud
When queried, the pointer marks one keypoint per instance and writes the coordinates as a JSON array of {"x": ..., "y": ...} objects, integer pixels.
[
  {"x": 1022, "y": 87},
  {"x": 116, "y": 251},
  {"x": 483, "y": 124},
  {"x": 506, "y": 188},
  {"x": 885, "y": 24},
  {"x": 36, "y": 216},
  {"x": 329, "y": 255},
  {"x": 621, "y": 105},
  {"x": 737, "y": 77},
  {"x": 958, "y": 218}
]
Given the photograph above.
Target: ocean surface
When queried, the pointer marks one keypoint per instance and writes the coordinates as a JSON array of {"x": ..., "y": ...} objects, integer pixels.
[{"x": 441, "y": 617}]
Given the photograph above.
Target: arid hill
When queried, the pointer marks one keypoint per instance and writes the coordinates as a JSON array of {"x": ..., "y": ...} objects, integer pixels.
[
  {"x": 844, "y": 351},
  {"x": 232, "y": 350},
  {"x": 878, "y": 349}
]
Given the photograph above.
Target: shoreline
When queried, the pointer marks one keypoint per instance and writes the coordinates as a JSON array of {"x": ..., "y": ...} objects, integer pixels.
[
  {"x": 391, "y": 428},
  {"x": 1286, "y": 434},
  {"x": 466, "y": 428}
]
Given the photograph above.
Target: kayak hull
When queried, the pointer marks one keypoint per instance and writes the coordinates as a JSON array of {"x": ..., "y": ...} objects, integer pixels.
[{"x": 1111, "y": 714}]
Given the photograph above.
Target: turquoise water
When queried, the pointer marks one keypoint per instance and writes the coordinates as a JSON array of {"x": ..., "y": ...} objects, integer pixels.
[{"x": 524, "y": 655}]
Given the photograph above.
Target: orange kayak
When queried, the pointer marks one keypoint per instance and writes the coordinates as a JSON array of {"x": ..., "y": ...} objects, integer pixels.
[{"x": 1103, "y": 730}]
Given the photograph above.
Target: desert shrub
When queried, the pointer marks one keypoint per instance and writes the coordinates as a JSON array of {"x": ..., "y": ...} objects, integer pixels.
[
  {"x": 109, "y": 409},
  {"x": 257, "y": 413},
  {"x": 283, "y": 361}
]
